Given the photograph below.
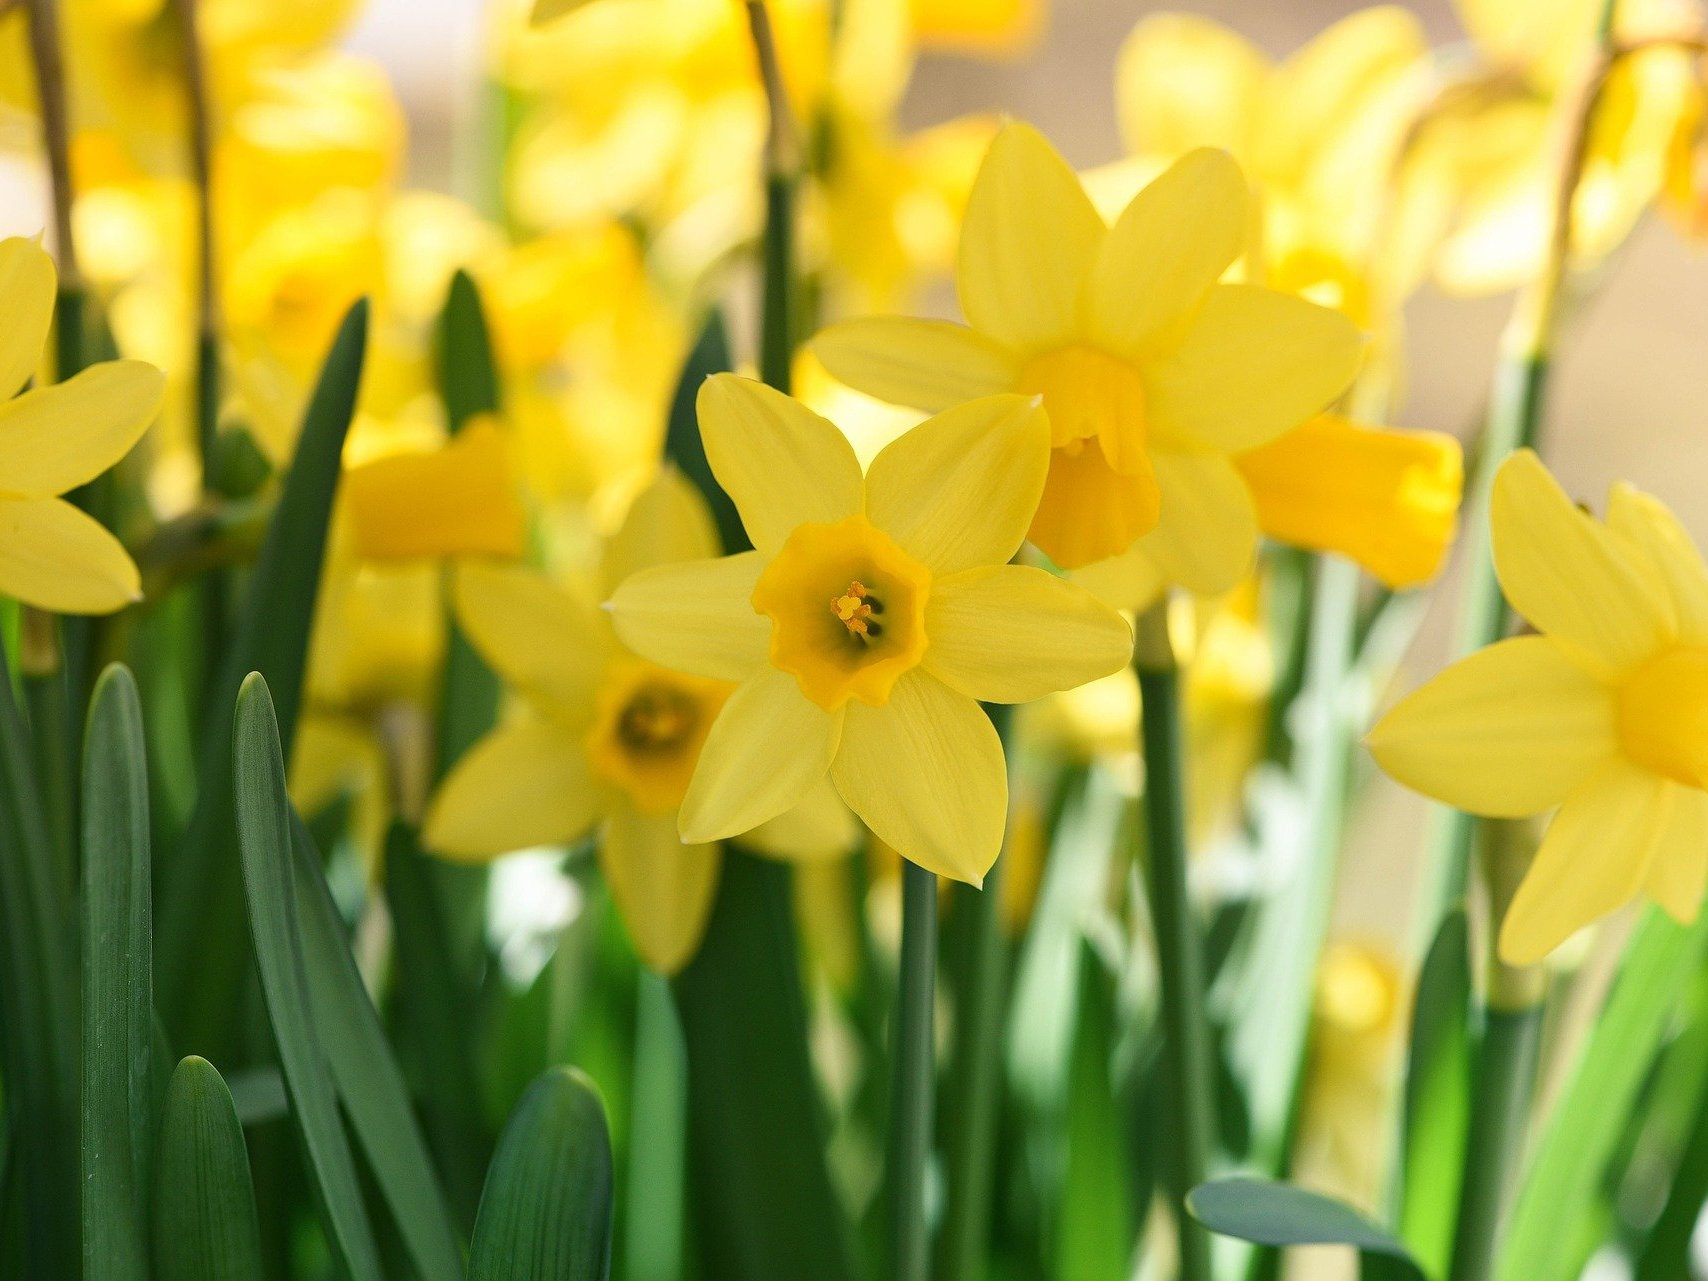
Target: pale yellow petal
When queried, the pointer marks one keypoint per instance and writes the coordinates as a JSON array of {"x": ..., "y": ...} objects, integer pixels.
[
  {"x": 928, "y": 364},
  {"x": 1182, "y": 81},
  {"x": 960, "y": 489},
  {"x": 1011, "y": 633},
  {"x": 548, "y": 644},
  {"x": 925, "y": 772},
  {"x": 1647, "y": 522},
  {"x": 1254, "y": 363},
  {"x": 61, "y": 436},
  {"x": 1571, "y": 577},
  {"x": 457, "y": 500},
  {"x": 696, "y": 616},
  {"x": 1170, "y": 245},
  {"x": 663, "y": 888},
  {"x": 667, "y": 523},
  {"x": 55, "y": 557},
  {"x": 1678, "y": 870},
  {"x": 1130, "y": 581},
  {"x": 767, "y": 749},
  {"x": 1028, "y": 244},
  {"x": 781, "y": 463},
  {"x": 27, "y": 281},
  {"x": 1506, "y": 732},
  {"x": 1207, "y": 536},
  {"x": 1593, "y": 859},
  {"x": 524, "y": 784},
  {"x": 817, "y": 829}
]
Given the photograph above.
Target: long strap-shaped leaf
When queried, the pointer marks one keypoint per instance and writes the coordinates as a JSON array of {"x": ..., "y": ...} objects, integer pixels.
[
  {"x": 546, "y": 1212},
  {"x": 264, "y": 840},
  {"x": 1592, "y": 1111},
  {"x": 1279, "y": 1214},
  {"x": 202, "y": 949},
  {"x": 204, "y": 1206},
  {"x": 367, "y": 1078},
  {"x": 118, "y": 984}
]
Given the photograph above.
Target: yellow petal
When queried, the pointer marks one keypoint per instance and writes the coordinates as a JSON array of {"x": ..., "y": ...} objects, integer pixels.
[
  {"x": 1170, "y": 245},
  {"x": 1388, "y": 499},
  {"x": 1254, "y": 363},
  {"x": 1678, "y": 869},
  {"x": 54, "y": 557},
  {"x": 1027, "y": 245},
  {"x": 817, "y": 829},
  {"x": 959, "y": 489},
  {"x": 27, "y": 281},
  {"x": 1011, "y": 633},
  {"x": 61, "y": 436},
  {"x": 542, "y": 640},
  {"x": 781, "y": 463},
  {"x": 989, "y": 28},
  {"x": 925, "y": 772},
  {"x": 1575, "y": 580},
  {"x": 524, "y": 784},
  {"x": 1207, "y": 535},
  {"x": 663, "y": 888},
  {"x": 667, "y": 523},
  {"x": 1130, "y": 581},
  {"x": 1506, "y": 732},
  {"x": 1646, "y": 521},
  {"x": 1089, "y": 511},
  {"x": 1182, "y": 81},
  {"x": 928, "y": 364},
  {"x": 767, "y": 749},
  {"x": 1593, "y": 859},
  {"x": 457, "y": 500},
  {"x": 696, "y": 617}
]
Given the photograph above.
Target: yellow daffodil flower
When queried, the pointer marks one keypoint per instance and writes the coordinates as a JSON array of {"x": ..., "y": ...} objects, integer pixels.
[
  {"x": 54, "y": 439},
  {"x": 1153, "y": 374},
  {"x": 1605, "y": 714},
  {"x": 992, "y": 28},
  {"x": 874, "y": 613},
  {"x": 608, "y": 739}
]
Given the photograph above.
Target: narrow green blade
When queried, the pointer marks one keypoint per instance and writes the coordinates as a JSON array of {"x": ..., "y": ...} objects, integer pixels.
[
  {"x": 546, "y": 1212},
  {"x": 202, "y": 952},
  {"x": 1279, "y": 1214},
  {"x": 468, "y": 375},
  {"x": 366, "y": 1076},
  {"x": 204, "y": 1203},
  {"x": 118, "y": 984},
  {"x": 264, "y": 841}
]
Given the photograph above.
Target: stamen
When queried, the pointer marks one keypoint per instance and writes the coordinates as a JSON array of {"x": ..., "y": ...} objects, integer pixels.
[{"x": 855, "y": 608}]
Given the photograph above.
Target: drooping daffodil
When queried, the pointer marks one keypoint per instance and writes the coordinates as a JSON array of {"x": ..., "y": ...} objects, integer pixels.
[
  {"x": 1604, "y": 714},
  {"x": 874, "y": 613}
]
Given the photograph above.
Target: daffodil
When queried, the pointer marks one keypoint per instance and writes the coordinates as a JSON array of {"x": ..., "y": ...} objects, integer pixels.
[
  {"x": 1604, "y": 714},
  {"x": 606, "y": 739},
  {"x": 875, "y": 612},
  {"x": 54, "y": 439},
  {"x": 1153, "y": 374}
]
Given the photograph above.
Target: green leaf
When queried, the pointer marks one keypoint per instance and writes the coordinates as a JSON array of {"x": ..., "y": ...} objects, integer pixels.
[
  {"x": 366, "y": 1076},
  {"x": 38, "y": 1007},
  {"x": 264, "y": 841},
  {"x": 202, "y": 953},
  {"x": 546, "y": 1212},
  {"x": 118, "y": 985},
  {"x": 1589, "y": 1116},
  {"x": 204, "y": 1204},
  {"x": 468, "y": 375},
  {"x": 682, "y": 443},
  {"x": 1279, "y": 1214},
  {"x": 1437, "y": 1096}
]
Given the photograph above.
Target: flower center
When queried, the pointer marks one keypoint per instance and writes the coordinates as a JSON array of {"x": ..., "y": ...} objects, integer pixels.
[
  {"x": 1091, "y": 395},
  {"x": 648, "y": 727},
  {"x": 1663, "y": 715},
  {"x": 847, "y": 611}
]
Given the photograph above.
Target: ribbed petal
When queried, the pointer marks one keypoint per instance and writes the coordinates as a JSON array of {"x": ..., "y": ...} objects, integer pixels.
[
  {"x": 667, "y": 523},
  {"x": 1646, "y": 521},
  {"x": 1206, "y": 538},
  {"x": 56, "y": 438},
  {"x": 55, "y": 557},
  {"x": 27, "y": 281},
  {"x": 929, "y": 364},
  {"x": 1678, "y": 870},
  {"x": 537, "y": 636},
  {"x": 663, "y": 888},
  {"x": 524, "y": 784},
  {"x": 696, "y": 616},
  {"x": 817, "y": 829}
]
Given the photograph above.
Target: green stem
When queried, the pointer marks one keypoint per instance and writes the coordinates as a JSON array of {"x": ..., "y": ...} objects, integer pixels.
[
  {"x": 1666, "y": 1252},
  {"x": 1505, "y": 1077},
  {"x": 782, "y": 173},
  {"x": 1180, "y": 955},
  {"x": 657, "y": 1139},
  {"x": 913, "y": 1080}
]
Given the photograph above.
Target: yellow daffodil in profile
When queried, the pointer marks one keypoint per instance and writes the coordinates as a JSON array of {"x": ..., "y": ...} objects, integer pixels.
[
  {"x": 53, "y": 439},
  {"x": 1152, "y": 373},
  {"x": 1605, "y": 714},
  {"x": 606, "y": 739},
  {"x": 873, "y": 615}
]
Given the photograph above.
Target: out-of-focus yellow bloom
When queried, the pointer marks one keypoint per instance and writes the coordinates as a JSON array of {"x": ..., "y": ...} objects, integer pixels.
[
  {"x": 54, "y": 439},
  {"x": 861, "y": 628},
  {"x": 607, "y": 739},
  {"x": 994, "y": 28},
  {"x": 1152, "y": 373},
  {"x": 1686, "y": 195},
  {"x": 1605, "y": 714}
]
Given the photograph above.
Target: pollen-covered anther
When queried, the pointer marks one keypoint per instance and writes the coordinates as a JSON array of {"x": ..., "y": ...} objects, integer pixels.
[{"x": 854, "y": 609}]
